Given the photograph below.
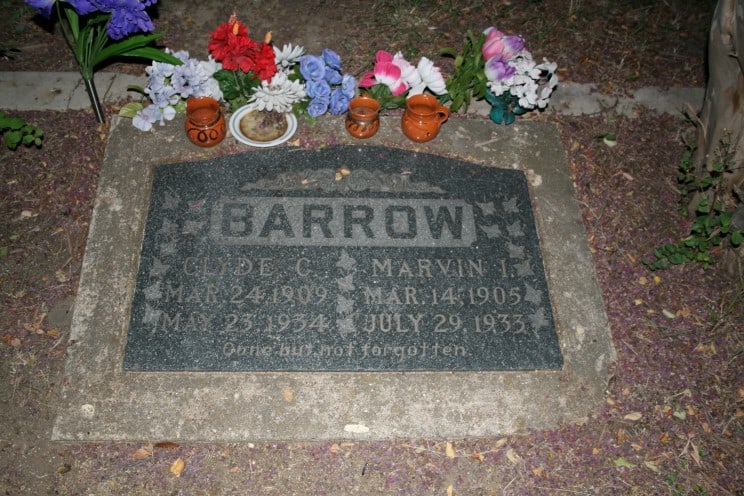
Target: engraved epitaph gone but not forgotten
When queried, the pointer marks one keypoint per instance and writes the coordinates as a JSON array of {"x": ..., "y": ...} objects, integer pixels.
[{"x": 344, "y": 259}]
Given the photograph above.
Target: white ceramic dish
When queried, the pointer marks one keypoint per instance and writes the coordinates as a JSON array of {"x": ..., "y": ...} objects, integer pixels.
[{"x": 242, "y": 111}]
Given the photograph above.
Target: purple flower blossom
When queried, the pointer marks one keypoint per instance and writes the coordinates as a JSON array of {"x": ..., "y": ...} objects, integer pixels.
[
  {"x": 127, "y": 18},
  {"x": 83, "y": 7},
  {"x": 312, "y": 67},
  {"x": 498, "y": 70}
]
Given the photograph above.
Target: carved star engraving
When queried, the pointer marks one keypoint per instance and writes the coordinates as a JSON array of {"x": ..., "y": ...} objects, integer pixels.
[
  {"x": 344, "y": 306},
  {"x": 345, "y": 326},
  {"x": 152, "y": 292},
  {"x": 510, "y": 206},
  {"x": 515, "y": 251},
  {"x": 491, "y": 231},
  {"x": 538, "y": 320},
  {"x": 168, "y": 248},
  {"x": 170, "y": 202},
  {"x": 532, "y": 295},
  {"x": 515, "y": 229},
  {"x": 152, "y": 316},
  {"x": 168, "y": 228},
  {"x": 158, "y": 268},
  {"x": 524, "y": 268},
  {"x": 487, "y": 208},
  {"x": 345, "y": 261},
  {"x": 346, "y": 283}
]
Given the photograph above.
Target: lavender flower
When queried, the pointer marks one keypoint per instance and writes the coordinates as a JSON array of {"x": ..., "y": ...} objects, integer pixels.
[{"x": 312, "y": 67}]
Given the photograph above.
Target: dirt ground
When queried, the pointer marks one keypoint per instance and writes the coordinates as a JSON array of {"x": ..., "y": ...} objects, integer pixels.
[{"x": 672, "y": 424}]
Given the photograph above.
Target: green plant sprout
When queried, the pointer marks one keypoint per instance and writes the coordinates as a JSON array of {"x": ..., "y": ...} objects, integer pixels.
[
  {"x": 17, "y": 131},
  {"x": 712, "y": 228}
]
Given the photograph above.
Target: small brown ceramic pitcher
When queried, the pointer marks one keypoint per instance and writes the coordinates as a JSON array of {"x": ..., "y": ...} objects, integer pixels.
[
  {"x": 423, "y": 117},
  {"x": 205, "y": 124},
  {"x": 363, "y": 119}
]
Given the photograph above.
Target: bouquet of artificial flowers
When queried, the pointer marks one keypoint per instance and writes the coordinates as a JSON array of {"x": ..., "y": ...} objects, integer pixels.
[
  {"x": 169, "y": 86},
  {"x": 394, "y": 79},
  {"x": 499, "y": 68},
  {"x": 255, "y": 72},
  {"x": 516, "y": 83},
  {"x": 327, "y": 88},
  {"x": 97, "y": 30}
]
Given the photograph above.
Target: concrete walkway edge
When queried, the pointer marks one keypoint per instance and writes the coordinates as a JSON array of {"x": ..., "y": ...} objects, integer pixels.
[{"x": 26, "y": 91}]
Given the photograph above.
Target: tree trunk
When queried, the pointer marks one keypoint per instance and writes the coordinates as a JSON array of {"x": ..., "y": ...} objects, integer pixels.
[{"x": 722, "y": 116}]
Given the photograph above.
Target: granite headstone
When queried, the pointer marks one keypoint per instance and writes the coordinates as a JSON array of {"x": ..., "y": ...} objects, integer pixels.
[{"x": 341, "y": 259}]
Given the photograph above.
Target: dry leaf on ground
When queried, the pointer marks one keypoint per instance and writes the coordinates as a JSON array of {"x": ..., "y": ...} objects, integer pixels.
[{"x": 177, "y": 467}]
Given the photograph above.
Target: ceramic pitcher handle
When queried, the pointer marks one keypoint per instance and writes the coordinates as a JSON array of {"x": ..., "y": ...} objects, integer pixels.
[{"x": 443, "y": 113}]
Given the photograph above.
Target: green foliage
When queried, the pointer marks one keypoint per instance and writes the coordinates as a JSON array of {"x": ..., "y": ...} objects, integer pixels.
[
  {"x": 91, "y": 45},
  {"x": 711, "y": 229},
  {"x": 468, "y": 80},
  {"x": 17, "y": 131},
  {"x": 237, "y": 87},
  {"x": 382, "y": 94}
]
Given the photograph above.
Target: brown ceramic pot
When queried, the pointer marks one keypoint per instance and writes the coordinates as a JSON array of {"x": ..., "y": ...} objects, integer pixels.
[
  {"x": 363, "y": 118},
  {"x": 423, "y": 117},
  {"x": 205, "y": 124}
]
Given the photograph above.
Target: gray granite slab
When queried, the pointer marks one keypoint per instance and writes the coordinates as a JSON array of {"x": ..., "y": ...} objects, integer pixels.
[
  {"x": 347, "y": 258},
  {"x": 101, "y": 400}
]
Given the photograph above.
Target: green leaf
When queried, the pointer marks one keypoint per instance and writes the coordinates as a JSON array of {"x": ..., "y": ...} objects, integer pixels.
[
  {"x": 623, "y": 462},
  {"x": 129, "y": 45},
  {"x": 130, "y": 109},
  {"x": 12, "y": 139},
  {"x": 737, "y": 237}
]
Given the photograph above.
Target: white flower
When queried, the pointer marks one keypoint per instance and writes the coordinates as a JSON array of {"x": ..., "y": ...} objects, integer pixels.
[
  {"x": 408, "y": 72},
  {"x": 279, "y": 94},
  {"x": 431, "y": 77},
  {"x": 288, "y": 55}
]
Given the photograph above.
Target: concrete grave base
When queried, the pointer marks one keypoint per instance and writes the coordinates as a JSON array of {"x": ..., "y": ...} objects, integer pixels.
[{"x": 101, "y": 401}]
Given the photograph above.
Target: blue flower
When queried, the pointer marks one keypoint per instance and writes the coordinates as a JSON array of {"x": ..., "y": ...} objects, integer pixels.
[
  {"x": 332, "y": 76},
  {"x": 312, "y": 67},
  {"x": 43, "y": 7},
  {"x": 318, "y": 106},
  {"x": 348, "y": 85},
  {"x": 315, "y": 89},
  {"x": 332, "y": 59},
  {"x": 339, "y": 102}
]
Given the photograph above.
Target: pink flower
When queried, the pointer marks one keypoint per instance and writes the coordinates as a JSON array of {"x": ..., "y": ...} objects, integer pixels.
[
  {"x": 498, "y": 45},
  {"x": 385, "y": 72}
]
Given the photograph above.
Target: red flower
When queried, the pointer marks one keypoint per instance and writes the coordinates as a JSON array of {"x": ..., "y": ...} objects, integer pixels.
[{"x": 231, "y": 45}]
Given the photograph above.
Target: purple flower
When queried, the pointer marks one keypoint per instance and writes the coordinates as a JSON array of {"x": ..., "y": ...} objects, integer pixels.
[
  {"x": 83, "y": 7},
  {"x": 318, "y": 106},
  {"x": 339, "y": 102},
  {"x": 318, "y": 89},
  {"x": 128, "y": 17},
  {"x": 332, "y": 59},
  {"x": 312, "y": 67},
  {"x": 498, "y": 70},
  {"x": 43, "y": 7}
]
